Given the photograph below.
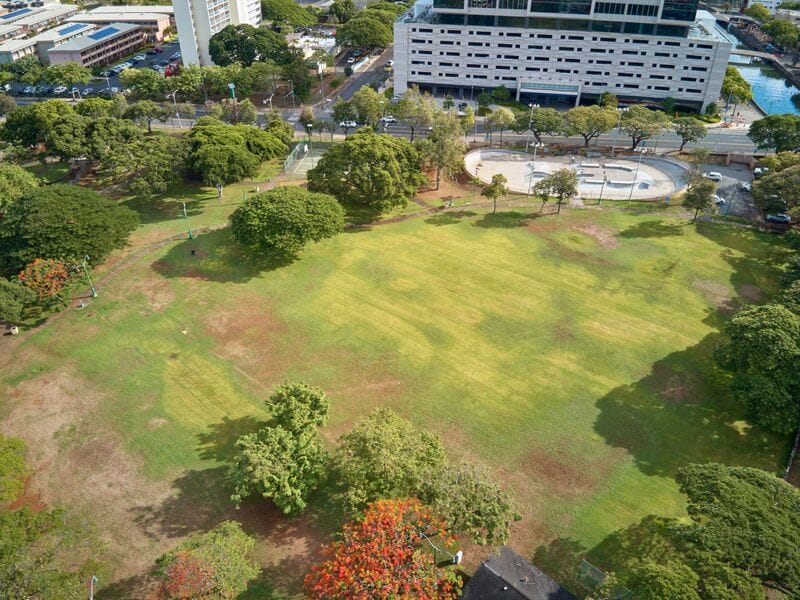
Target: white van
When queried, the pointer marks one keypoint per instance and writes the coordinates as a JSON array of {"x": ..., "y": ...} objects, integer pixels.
[{"x": 713, "y": 176}]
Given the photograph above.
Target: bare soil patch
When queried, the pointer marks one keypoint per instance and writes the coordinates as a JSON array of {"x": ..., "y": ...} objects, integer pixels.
[
  {"x": 602, "y": 235},
  {"x": 750, "y": 293},
  {"x": 562, "y": 476},
  {"x": 672, "y": 387},
  {"x": 715, "y": 293}
]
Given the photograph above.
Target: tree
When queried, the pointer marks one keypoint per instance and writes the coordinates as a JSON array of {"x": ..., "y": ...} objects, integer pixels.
[
  {"x": 145, "y": 84},
  {"x": 343, "y": 10},
  {"x": 449, "y": 102},
  {"x": 543, "y": 121},
  {"x": 468, "y": 120},
  {"x": 563, "y": 185},
  {"x": 608, "y": 100},
  {"x": 790, "y": 297},
  {"x": 306, "y": 117},
  {"x": 502, "y": 118},
  {"x": 46, "y": 277},
  {"x": 148, "y": 166},
  {"x": 287, "y": 11},
  {"x": 378, "y": 171},
  {"x": 7, "y": 104},
  {"x": 343, "y": 113},
  {"x": 14, "y": 299},
  {"x": 385, "y": 556},
  {"x": 446, "y": 144},
  {"x": 238, "y": 111},
  {"x": 365, "y": 30},
  {"x": 759, "y": 12},
  {"x": 484, "y": 100},
  {"x": 30, "y": 125},
  {"x": 762, "y": 354},
  {"x": 735, "y": 87},
  {"x": 246, "y": 44},
  {"x": 145, "y": 112},
  {"x": 62, "y": 221},
  {"x": 652, "y": 581},
  {"x": 296, "y": 71},
  {"x": 494, "y": 190},
  {"x": 416, "y": 110},
  {"x": 67, "y": 137},
  {"x": 28, "y": 69},
  {"x": 285, "y": 219},
  {"x": 68, "y": 73},
  {"x": 368, "y": 105},
  {"x": 668, "y": 106},
  {"x": 641, "y": 124},
  {"x": 12, "y": 456},
  {"x": 699, "y": 194},
  {"x": 689, "y": 129},
  {"x": 780, "y": 161},
  {"x": 298, "y": 407},
  {"x": 780, "y": 132},
  {"x": 783, "y": 32},
  {"x": 747, "y": 518},
  {"x": 94, "y": 108},
  {"x": 589, "y": 121},
  {"x": 212, "y": 564},
  {"x": 777, "y": 191},
  {"x": 14, "y": 182}
]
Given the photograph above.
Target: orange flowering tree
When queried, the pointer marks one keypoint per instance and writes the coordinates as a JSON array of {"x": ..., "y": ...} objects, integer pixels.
[
  {"x": 188, "y": 576},
  {"x": 384, "y": 555},
  {"x": 46, "y": 277}
]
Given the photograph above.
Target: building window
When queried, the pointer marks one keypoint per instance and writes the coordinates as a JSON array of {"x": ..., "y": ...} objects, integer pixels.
[
  {"x": 642, "y": 10},
  {"x": 573, "y": 7},
  {"x": 609, "y": 8},
  {"x": 679, "y": 10}
]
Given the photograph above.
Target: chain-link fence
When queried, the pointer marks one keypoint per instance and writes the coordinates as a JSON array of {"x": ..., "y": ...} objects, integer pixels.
[
  {"x": 295, "y": 157},
  {"x": 590, "y": 578}
]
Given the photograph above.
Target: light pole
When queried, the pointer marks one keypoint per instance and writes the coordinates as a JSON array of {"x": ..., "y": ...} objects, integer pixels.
[
  {"x": 530, "y": 123},
  {"x": 603, "y": 186},
  {"x": 186, "y": 216},
  {"x": 88, "y": 277},
  {"x": 175, "y": 104},
  {"x": 619, "y": 122},
  {"x": 309, "y": 127},
  {"x": 642, "y": 151},
  {"x": 536, "y": 146}
]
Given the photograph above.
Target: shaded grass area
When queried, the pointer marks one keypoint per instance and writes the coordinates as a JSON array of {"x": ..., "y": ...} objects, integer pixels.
[
  {"x": 50, "y": 172},
  {"x": 570, "y": 354}
]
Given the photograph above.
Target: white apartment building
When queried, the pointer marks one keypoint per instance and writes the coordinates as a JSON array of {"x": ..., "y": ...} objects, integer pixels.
[
  {"x": 198, "y": 20},
  {"x": 559, "y": 52}
]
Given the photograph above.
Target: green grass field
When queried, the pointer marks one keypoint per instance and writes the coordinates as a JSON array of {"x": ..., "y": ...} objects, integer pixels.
[{"x": 570, "y": 354}]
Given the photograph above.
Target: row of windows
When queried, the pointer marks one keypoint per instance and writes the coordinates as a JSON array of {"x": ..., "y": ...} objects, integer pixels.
[{"x": 575, "y": 7}]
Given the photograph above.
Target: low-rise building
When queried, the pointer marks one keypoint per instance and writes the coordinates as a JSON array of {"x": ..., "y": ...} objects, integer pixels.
[
  {"x": 308, "y": 45},
  {"x": 42, "y": 18},
  {"x": 162, "y": 9},
  {"x": 100, "y": 47},
  {"x": 57, "y": 36},
  {"x": 12, "y": 50},
  {"x": 152, "y": 23},
  {"x": 10, "y": 31}
]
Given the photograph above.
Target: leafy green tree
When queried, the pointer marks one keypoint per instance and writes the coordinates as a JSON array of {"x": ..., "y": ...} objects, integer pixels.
[
  {"x": 68, "y": 73},
  {"x": 306, "y": 117},
  {"x": 298, "y": 407},
  {"x": 747, "y": 518},
  {"x": 7, "y": 104},
  {"x": 484, "y": 100},
  {"x": 699, "y": 195},
  {"x": 378, "y": 171},
  {"x": 213, "y": 564},
  {"x": 146, "y": 84},
  {"x": 62, "y": 221},
  {"x": 784, "y": 33},
  {"x": 446, "y": 144},
  {"x": 608, "y": 100},
  {"x": 365, "y": 30},
  {"x": 296, "y": 71},
  {"x": 147, "y": 166},
  {"x": 562, "y": 185},
  {"x": 735, "y": 87},
  {"x": 245, "y": 44},
  {"x": 30, "y": 125},
  {"x": 276, "y": 126},
  {"x": 790, "y": 297},
  {"x": 542, "y": 121},
  {"x": 449, "y": 102},
  {"x": 285, "y": 219},
  {"x": 762, "y": 355},
  {"x": 589, "y": 122},
  {"x": 502, "y": 118},
  {"x": 689, "y": 129},
  {"x": 368, "y": 105},
  {"x": 28, "y": 69},
  {"x": 145, "y": 112},
  {"x": 105, "y": 134},
  {"x": 14, "y": 299},
  {"x": 641, "y": 124},
  {"x": 780, "y": 161},
  {"x": 94, "y": 108},
  {"x": 759, "y": 12},
  {"x": 777, "y": 191},
  {"x": 416, "y": 110},
  {"x": 343, "y": 10},
  {"x": 652, "y": 581},
  {"x": 12, "y": 450},
  {"x": 14, "y": 182},
  {"x": 495, "y": 190},
  {"x": 238, "y": 111},
  {"x": 779, "y": 132},
  {"x": 67, "y": 137},
  {"x": 501, "y": 93},
  {"x": 344, "y": 113},
  {"x": 287, "y": 11}
]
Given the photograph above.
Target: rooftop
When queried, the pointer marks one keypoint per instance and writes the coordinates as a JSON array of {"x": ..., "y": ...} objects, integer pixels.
[
  {"x": 95, "y": 38},
  {"x": 14, "y": 45},
  {"x": 58, "y": 33},
  {"x": 508, "y": 576},
  {"x": 116, "y": 17},
  {"x": 46, "y": 13},
  {"x": 118, "y": 10}
]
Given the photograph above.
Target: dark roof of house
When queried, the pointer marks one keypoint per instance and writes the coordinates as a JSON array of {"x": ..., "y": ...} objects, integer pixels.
[{"x": 508, "y": 576}]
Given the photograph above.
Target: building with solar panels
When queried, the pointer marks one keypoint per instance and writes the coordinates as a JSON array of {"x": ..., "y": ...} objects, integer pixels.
[
  {"x": 47, "y": 40},
  {"x": 100, "y": 47},
  {"x": 153, "y": 22},
  {"x": 41, "y": 18}
]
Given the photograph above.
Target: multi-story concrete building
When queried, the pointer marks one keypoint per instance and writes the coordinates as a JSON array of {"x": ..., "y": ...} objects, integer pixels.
[
  {"x": 47, "y": 16},
  {"x": 100, "y": 47},
  {"x": 52, "y": 38},
  {"x": 152, "y": 23},
  {"x": 559, "y": 52},
  {"x": 198, "y": 20}
]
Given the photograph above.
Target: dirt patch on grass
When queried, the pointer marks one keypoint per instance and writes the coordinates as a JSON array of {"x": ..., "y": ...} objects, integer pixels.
[
  {"x": 544, "y": 226},
  {"x": 750, "y": 293},
  {"x": 157, "y": 292},
  {"x": 558, "y": 474},
  {"x": 674, "y": 388},
  {"x": 602, "y": 235},
  {"x": 715, "y": 293}
]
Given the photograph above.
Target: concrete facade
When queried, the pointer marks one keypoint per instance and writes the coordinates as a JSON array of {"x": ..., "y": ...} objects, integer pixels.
[
  {"x": 100, "y": 47},
  {"x": 152, "y": 23},
  {"x": 51, "y": 38},
  {"x": 559, "y": 53},
  {"x": 198, "y": 20}
]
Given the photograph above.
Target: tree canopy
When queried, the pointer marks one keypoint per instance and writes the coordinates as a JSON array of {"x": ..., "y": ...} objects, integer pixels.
[
  {"x": 641, "y": 123},
  {"x": 285, "y": 219},
  {"x": 246, "y": 44},
  {"x": 561, "y": 185},
  {"x": 14, "y": 182},
  {"x": 699, "y": 194},
  {"x": 589, "y": 122},
  {"x": 689, "y": 129},
  {"x": 14, "y": 298},
  {"x": 779, "y": 132},
  {"x": 365, "y": 30},
  {"x": 378, "y": 171},
  {"x": 777, "y": 190},
  {"x": 62, "y": 221},
  {"x": 287, "y": 11}
]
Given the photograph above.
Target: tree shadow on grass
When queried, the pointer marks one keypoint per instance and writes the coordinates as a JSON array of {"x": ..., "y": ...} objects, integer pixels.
[
  {"x": 450, "y": 217},
  {"x": 560, "y": 559},
  {"x": 217, "y": 257},
  {"x": 219, "y": 442},
  {"x": 506, "y": 219},
  {"x": 169, "y": 205},
  {"x": 652, "y": 229}
]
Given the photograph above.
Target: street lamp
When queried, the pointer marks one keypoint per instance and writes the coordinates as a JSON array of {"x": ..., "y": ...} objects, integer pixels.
[
  {"x": 309, "y": 127},
  {"x": 175, "y": 104},
  {"x": 530, "y": 123},
  {"x": 536, "y": 146},
  {"x": 619, "y": 122},
  {"x": 642, "y": 151},
  {"x": 88, "y": 277}
]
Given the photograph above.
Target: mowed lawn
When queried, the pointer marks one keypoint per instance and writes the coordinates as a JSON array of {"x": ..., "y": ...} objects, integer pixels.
[{"x": 569, "y": 354}]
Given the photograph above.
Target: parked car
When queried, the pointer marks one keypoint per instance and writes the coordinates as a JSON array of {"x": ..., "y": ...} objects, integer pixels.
[
  {"x": 158, "y": 50},
  {"x": 389, "y": 63},
  {"x": 28, "y": 89},
  {"x": 462, "y": 106},
  {"x": 719, "y": 200},
  {"x": 107, "y": 73},
  {"x": 388, "y": 119},
  {"x": 175, "y": 56},
  {"x": 87, "y": 91},
  {"x": 713, "y": 176},
  {"x": 159, "y": 68},
  {"x": 152, "y": 51},
  {"x": 350, "y": 60},
  {"x": 61, "y": 89},
  {"x": 760, "y": 172},
  {"x": 347, "y": 124},
  {"x": 139, "y": 58},
  {"x": 745, "y": 186},
  {"x": 779, "y": 218}
]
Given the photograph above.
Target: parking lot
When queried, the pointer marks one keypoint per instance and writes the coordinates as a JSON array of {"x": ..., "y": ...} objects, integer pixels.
[{"x": 99, "y": 86}]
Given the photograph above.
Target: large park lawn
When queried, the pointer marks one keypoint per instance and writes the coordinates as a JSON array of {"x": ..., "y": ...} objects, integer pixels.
[{"x": 570, "y": 354}]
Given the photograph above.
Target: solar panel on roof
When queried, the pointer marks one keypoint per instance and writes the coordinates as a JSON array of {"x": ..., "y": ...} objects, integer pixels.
[
  {"x": 70, "y": 28},
  {"x": 103, "y": 33},
  {"x": 16, "y": 13}
]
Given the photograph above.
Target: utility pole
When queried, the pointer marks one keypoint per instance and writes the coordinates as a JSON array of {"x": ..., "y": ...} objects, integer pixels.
[
  {"x": 88, "y": 277},
  {"x": 186, "y": 216}
]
